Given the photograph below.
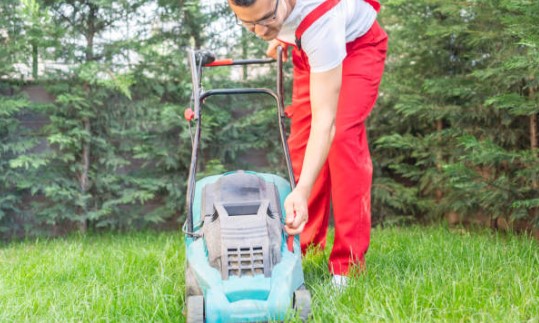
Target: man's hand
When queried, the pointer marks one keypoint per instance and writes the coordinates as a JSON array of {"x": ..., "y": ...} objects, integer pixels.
[
  {"x": 272, "y": 49},
  {"x": 296, "y": 210}
]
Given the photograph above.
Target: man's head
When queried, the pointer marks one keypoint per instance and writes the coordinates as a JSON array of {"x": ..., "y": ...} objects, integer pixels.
[{"x": 262, "y": 17}]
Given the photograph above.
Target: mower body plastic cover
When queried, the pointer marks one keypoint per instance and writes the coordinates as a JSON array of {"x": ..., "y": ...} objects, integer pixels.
[{"x": 245, "y": 299}]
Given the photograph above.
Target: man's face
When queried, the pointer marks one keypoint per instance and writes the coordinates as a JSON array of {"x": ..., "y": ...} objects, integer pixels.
[{"x": 264, "y": 17}]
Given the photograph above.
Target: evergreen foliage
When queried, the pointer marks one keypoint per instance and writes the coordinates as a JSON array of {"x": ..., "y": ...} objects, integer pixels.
[
  {"x": 12, "y": 144},
  {"x": 454, "y": 132},
  {"x": 117, "y": 149},
  {"x": 460, "y": 97}
]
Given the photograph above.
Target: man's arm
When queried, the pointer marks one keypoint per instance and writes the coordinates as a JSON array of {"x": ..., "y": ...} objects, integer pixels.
[{"x": 324, "y": 88}]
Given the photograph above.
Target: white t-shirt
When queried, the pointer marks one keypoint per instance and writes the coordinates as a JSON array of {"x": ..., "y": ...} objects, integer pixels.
[{"x": 325, "y": 40}]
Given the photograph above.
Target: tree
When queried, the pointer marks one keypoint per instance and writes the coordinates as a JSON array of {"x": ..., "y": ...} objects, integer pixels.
[{"x": 462, "y": 80}]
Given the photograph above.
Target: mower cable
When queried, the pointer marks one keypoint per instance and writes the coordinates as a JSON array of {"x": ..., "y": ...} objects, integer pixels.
[
  {"x": 191, "y": 133},
  {"x": 191, "y": 234}
]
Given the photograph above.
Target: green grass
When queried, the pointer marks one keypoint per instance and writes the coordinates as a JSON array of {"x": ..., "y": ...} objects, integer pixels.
[
  {"x": 414, "y": 275},
  {"x": 135, "y": 277}
]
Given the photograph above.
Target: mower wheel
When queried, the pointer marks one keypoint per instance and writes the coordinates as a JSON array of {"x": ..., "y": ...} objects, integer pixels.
[
  {"x": 195, "y": 309},
  {"x": 302, "y": 303},
  {"x": 191, "y": 284}
]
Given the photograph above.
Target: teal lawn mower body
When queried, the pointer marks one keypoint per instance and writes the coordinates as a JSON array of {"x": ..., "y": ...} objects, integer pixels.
[{"x": 241, "y": 266}]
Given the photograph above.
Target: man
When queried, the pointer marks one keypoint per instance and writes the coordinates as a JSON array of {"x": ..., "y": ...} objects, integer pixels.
[{"x": 338, "y": 55}]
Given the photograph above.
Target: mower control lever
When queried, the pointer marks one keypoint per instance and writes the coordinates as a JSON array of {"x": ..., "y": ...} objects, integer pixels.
[{"x": 205, "y": 57}]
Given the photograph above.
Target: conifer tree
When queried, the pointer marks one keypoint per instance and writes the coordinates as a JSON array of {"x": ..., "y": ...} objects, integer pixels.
[
  {"x": 461, "y": 84},
  {"x": 14, "y": 141}
]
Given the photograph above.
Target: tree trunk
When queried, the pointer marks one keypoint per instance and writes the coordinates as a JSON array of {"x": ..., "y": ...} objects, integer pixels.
[
  {"x": 34, "y": 60},
  {"x": 195, "y": 28},
  {"x": 439, "y": 128},
  {"x": 244, "y": 44},
  {"x": 83, "y": 180},
  {"x": 533, "y": 124},
  {"x": 85, "y": 157},
  {"x": 534, "y": 213},
  {"x": 90, "y": 32},
  {"x": 533, "y": 134}
]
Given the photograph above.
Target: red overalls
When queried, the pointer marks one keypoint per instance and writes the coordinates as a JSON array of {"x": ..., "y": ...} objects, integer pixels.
[{"x": 347, "y": 174}]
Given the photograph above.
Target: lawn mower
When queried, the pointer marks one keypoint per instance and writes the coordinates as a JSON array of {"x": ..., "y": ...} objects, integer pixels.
[{"x": 241, "y": 266}]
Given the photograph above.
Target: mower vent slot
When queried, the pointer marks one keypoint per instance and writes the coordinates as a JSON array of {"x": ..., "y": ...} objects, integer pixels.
[
  {"x": 245, "y": 261},
  {"x": 234, "y": 209}
]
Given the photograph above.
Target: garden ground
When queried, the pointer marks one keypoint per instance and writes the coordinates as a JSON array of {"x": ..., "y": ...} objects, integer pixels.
[{"x": 416, "y": 274}]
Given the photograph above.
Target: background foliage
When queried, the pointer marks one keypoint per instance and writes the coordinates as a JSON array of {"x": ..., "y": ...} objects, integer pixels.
[
  {"x": 457, "y": 125},
  {"x": 454, "y": 133}
]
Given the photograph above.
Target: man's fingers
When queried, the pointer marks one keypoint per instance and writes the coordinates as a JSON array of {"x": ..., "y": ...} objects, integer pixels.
[
  {"x": 289, "y": 209},
  {"x": 300, "y": 217},
  {"x": 295, "y": 207},
  {"x": 294, "y": 231},
  {"x": 297, "y": 224},
  {"x": 272, "y": 49},
  {"x": 271, "y": 52}
]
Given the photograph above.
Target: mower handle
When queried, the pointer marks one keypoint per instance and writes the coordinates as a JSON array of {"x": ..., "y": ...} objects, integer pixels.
[
  {"x": 228, "y": 62},
  {"x": 207, "y": 59},
  {"x": 202, "y": 58}
]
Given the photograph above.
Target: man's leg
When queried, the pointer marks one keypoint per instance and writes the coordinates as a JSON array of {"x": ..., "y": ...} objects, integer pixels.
[{"x": 349, "y": 158}]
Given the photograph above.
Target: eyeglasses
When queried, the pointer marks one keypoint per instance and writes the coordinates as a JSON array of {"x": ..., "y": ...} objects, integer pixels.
[{"x": 267, "y": 20}]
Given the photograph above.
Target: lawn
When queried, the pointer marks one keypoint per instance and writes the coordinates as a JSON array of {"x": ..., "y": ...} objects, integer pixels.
[{"x": 414, "y": 274}]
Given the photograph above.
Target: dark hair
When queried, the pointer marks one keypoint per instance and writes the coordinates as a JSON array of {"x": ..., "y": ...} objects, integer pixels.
[{"x": 243, "y": 3}]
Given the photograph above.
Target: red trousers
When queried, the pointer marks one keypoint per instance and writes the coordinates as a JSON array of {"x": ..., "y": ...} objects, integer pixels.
[{"x": 346, "y": 177}]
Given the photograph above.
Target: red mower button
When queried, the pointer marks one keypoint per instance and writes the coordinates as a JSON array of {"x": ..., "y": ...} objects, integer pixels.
[{"x": 189, "y": 114}]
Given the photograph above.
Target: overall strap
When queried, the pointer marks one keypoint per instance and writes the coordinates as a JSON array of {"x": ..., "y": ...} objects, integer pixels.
[
  {"x": 375, "y": 4},
  {"x": 319, "y": 12},
  {"x": 312, "y": 17}
]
